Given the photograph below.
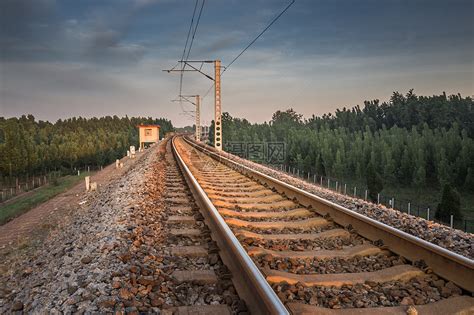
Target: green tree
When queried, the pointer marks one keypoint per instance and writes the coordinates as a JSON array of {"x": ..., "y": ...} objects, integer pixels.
[
  {"x": 320, "y": 169},
  {"x": 374, "y": 182},
  {"x": 450, "y": 205},
  {"x": 469, "y": 182}
]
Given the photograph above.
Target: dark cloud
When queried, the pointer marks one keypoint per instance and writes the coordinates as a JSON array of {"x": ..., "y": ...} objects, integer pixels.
[
  {"x": 65, "y": 57},
  {"x": 28, "y": 28},
  {"x": 221, "y": 43},
  {"x": 26, "y": 19},
  {"x": 107, "y": 46},
  {"x": 34, "y": 30}
]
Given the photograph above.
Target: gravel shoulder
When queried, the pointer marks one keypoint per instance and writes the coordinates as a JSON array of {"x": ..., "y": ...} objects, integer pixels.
[{"x": 73, "y": 268}]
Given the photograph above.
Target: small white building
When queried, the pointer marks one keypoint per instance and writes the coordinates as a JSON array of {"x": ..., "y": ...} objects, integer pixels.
[{"x": 148, "y": 134}]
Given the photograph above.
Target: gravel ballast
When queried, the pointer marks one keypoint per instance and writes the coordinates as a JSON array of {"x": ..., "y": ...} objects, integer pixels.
[
  {"x": 454, "y": 240},
  {"x": 74, "y": 269}
]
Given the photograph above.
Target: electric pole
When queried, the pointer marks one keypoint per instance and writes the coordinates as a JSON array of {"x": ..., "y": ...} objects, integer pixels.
[
  {"x": 217, "y": 106},
  {"x": 198, "y": 118},
  {"x": 217, "y": 93},
  {"x": 197, "y": 103}
]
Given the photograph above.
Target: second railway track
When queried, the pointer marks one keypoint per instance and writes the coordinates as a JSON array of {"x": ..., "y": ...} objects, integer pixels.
[{"x": 313, "y": 257}]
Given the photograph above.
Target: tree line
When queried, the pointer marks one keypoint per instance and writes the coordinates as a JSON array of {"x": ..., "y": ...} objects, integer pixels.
[
  {"x": 408, "y": 141},
  {"x": 29, "y": 147}
]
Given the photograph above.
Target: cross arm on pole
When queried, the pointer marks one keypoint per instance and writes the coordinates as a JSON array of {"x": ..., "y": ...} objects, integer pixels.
[
  {"x": 198, "y": 70},
  {"x": 185, "y": 97},
  {"x": 193, "y": 68}
]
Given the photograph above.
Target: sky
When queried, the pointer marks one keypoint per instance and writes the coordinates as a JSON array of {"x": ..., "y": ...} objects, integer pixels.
[{"x": 88, "y": 58}]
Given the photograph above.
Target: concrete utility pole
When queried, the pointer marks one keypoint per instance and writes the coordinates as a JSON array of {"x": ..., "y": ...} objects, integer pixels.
[
  {"x": 217, "y": 93},
  {"x": 197, "y": 103},
  {"x": 217, "y": 106},
  {"x": 198, "y": 118}
]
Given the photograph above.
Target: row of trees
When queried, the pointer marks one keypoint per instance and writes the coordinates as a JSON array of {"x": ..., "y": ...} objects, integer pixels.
[
  {"x": 409, "y": 140},
  {"x": 29, "y": 147}
]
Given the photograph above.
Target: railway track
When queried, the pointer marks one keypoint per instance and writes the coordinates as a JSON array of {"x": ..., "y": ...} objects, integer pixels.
[
  {"x": 292, "y": 252},
  {"x": 199, "y": 282}
]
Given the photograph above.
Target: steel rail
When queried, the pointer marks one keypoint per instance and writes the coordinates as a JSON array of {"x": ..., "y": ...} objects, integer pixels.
[
  {"x": 447, "y": 264},
  {"x": 249, "y": 282}
]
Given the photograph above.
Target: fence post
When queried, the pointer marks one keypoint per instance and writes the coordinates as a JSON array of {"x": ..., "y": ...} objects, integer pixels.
[
  {"x": 298, "y": 173},
  {"x": 428, "y": 214},
  {"x": 78, "y": 172},
  {"x": 366, "y": 195},
  {"x": 336, "y": 185},
  {"x": 314, "y": 178},
  {"x": 329, "y": 182},
  {"x": 451, "y": 221},
  {"x": 308, "y": 176},
  {"x": 409, "y": 206},
  {"x": 355, "y": 191},
  {"x": 345, "y": 189},
  {"x": 321, "y": 180},
  {"x": 378, "y": 198}
]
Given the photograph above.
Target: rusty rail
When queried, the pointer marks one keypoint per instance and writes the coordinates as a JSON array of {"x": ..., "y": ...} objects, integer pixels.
[
  {"x": 247, "y": 278},
  {"x": 447, "y": 264}
]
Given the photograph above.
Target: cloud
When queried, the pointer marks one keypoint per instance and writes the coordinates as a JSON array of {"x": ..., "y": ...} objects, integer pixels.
[
  {"x": 33, "y": 30},
  {"x": 64, "y": 58},
  {"x": 107, "y": 46},
  {"x": 26, "y": 18}
]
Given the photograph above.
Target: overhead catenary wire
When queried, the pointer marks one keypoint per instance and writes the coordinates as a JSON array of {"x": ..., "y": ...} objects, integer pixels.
[
  {"x": 195, "y": 30},
  {"x": 184, "y": 51},
  {"x": 261, "y": 33},
  {"x": 251, "y": 43}
]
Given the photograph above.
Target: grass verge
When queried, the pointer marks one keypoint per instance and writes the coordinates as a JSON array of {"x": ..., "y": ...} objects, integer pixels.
[{"x": 24, "y": 203}]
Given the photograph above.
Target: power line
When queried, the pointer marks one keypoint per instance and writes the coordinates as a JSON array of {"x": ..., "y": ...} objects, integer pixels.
[
  {"x": 251, "y": 43},
  {"x": 189, "y": 30},
  {"x": 195, "y": 29},
  {"x": 184, "y": 51},
  {"x": 256, "y": 38},
  {"x": 190, "y": 45}
]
